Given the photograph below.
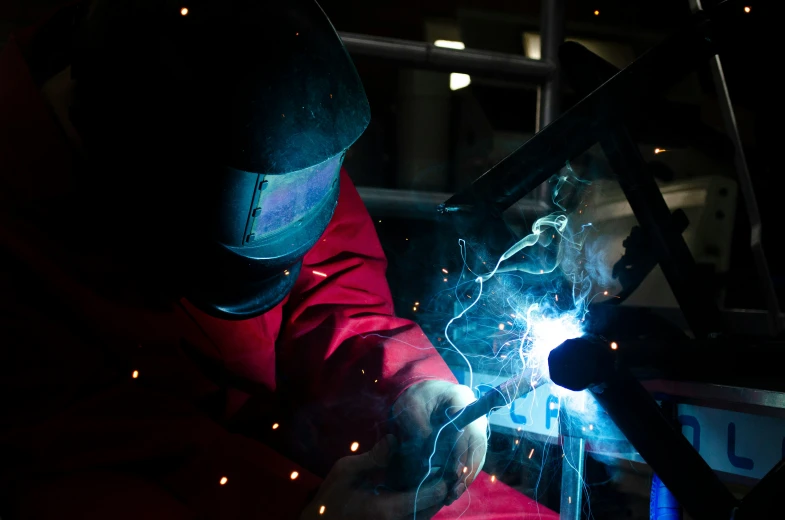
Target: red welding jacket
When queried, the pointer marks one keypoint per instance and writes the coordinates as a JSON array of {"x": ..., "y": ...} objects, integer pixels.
[{"x": 112, "y": 409}]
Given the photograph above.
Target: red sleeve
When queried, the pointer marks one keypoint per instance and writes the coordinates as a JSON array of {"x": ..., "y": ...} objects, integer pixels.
[{"x": 341, "y": 346}]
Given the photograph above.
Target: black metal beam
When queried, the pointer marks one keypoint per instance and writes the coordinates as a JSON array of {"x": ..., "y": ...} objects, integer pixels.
[
  {"x": 589, "y": 363},
  {"x": 766, "y": 497},
  {"x": 586, "y": 123},
  {"x": 668, "y": 245}
]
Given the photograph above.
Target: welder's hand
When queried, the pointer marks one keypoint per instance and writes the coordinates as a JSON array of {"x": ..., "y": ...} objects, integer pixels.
[
  {"x": 354, "y": 490},
  {"x": 421, "y": 412}
]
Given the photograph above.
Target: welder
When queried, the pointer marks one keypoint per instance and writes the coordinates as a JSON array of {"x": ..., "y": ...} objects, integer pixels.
[{"x": 194, "y": 317}]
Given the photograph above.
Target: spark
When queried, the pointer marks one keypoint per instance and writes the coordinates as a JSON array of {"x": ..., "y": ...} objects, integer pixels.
[
  {"x": 275, "y": 426},
  {"x": 294, "y": 475},
  {"x": 135, "y": 374},
  {"x": 569, "y": 500},
  {"x": 414, "y": 309},
  {"x": 407, "y": 239},
  {"x": 223, "y": 481},
  {"x": 417, "y": 303},
  {"x": 747, "y": 9},
  {"x": 184, "y": 11},
  {"x": 591, "y": 426},
  {"x": 322, "y": 509},
  {"x": 380, "y": 222},
  {"x": 540, "y": 325},
  {"x": 286, "y": 272},
  {"x": 319, "y": 273},
  {"x": 597, "y": 13},
  {"x": 361, "y": 370},
  {"x": 614, "y": 345},
  {"x": 354, "y": 446},
  {"x": 659, "y": 150},
  {"x": 605, "y": 293},
  {"x": 465, "y": 469},
  {"x": 375, "y": 380}
]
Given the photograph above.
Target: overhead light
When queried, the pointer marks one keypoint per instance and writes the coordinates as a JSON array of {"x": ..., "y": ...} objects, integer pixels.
[
  {"x": 459, "y": 81},
  {"x": 449, "y": 44}
]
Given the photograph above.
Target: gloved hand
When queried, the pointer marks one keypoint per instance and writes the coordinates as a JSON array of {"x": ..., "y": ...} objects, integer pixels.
[
  {"x": 354, "y": 490},
  {"x": 419, "y": 414}
]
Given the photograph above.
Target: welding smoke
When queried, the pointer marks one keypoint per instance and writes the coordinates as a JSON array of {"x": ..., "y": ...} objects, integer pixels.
[{"x": 535, "y": 297}]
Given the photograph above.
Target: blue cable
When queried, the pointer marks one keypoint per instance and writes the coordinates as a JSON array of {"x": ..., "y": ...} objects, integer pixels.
[{"x": 662, "y": 503}]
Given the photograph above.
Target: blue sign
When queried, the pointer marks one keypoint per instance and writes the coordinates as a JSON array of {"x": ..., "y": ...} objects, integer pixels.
[{"x": 732, "y": 442}]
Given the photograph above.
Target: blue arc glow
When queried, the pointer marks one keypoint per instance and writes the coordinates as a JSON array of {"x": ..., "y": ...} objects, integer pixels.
[{"x": 534, "y": 298}]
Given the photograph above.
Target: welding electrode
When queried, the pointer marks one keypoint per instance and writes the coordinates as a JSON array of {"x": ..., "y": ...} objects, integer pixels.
[
  {"x": 413, "y": 463},
  {"x": 504, "y": 394}
]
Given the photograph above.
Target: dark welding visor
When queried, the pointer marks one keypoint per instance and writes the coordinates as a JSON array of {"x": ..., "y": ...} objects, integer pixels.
[
  {"x": 232, "y": 119},
  {"x": 264, "y": 225}
]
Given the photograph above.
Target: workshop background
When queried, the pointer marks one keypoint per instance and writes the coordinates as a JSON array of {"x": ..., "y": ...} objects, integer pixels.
[{"x": 435, "y": 129}]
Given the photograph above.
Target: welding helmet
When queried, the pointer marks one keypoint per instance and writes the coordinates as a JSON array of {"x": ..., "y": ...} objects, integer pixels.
[{"x": 219, "y": 128}]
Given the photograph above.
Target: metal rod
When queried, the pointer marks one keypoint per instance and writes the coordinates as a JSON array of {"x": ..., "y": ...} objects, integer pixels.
[
  {"x": 667, "y": 244},
  {"x": 747, "y": 190},
  {"x": 588, "y": 363},
  {"x": 504, "y": 394},
  {"x": 389, "y": 202},
  {"x": 552, "y": 23},
  {"x": 666, "y": 450},
  {"x": 408, "y": 473},
  {"x": 572, "y": 469},
  {"x": 551, "y": 37},
  {"x": 427, "y": 56}
]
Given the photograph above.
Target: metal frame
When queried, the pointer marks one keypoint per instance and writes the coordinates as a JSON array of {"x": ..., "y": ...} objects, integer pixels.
[
  {"x": 605, "y": 114},
  {"x": 425, "y": 55},
  {"x": 551, "y": 37},
  {"x": 604, "y": 117},
  {"x": 745, "y": 183}
]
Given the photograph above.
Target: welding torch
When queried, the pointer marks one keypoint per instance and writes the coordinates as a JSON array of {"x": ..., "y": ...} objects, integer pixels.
[
  {"x": 409, "y": 469},
  {"x": 502, "y": 395}
]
